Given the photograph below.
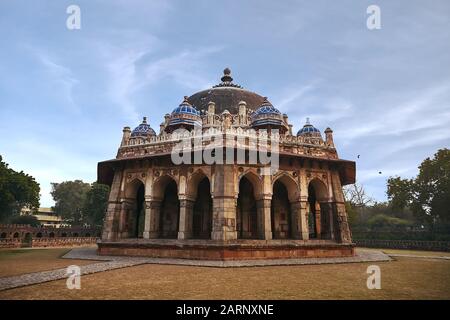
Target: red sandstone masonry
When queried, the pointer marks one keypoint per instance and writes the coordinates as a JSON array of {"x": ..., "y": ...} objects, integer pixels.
[{"x": 226, "y": 253}]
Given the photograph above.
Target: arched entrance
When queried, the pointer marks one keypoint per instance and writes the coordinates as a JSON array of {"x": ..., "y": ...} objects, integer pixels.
[
  {"x": 170, "y": 212},
  {"x": 135, "y": 197},
  {"x": 247, "y": 220},
  {"x": 280, "y": 212},
  {"x": 319, "y": 214},
  {"x": 202, "y": 215}
]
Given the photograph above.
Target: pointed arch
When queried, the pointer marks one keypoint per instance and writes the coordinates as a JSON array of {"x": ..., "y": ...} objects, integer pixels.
[
  {"x": 135, "y": 196},
  {"x": 256, "y": 181},
  {"x": 165, "y": 190},
  {"x": 319, "y": 213},
  {"x": 291, "y": 185},
  {"x": 193, "y": 182},
  {"x": 249, "y": 192}
]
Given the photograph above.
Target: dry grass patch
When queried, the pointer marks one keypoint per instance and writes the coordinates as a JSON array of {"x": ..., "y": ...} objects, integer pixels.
[
  {"x": 19, "y": 261},
  {"x": 405, "y": 278}
]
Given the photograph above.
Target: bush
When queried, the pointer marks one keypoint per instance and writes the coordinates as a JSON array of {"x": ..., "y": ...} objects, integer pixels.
[
  {"x": 382, "y": 221},
  {"x": 28, "y": 219}
]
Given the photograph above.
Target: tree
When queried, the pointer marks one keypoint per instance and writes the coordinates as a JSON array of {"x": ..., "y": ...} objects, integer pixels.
[
  {"x": 69, "y": 198},
  {"x": 427, "y": 195},
  {"x": 431, "y": 192},
  {"x": 356, "y": 195},
  {"x": 28, "y": 219},
  {"x": 17, "y": 190},
  {"x": 399, "y": 192},
  {"x": 95, "y": 204}
]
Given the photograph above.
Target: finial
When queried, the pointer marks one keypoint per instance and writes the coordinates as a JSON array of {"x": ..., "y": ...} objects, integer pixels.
[
  {"x": 186, "y": 100},
  {"x": 307, "y": 121},
  {"x": 226, "y": 75},
  {"x": 144, "y": 120}
]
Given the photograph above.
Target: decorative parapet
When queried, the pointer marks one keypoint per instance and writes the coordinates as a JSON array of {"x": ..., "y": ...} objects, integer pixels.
[{"x": 245, "y": 138}]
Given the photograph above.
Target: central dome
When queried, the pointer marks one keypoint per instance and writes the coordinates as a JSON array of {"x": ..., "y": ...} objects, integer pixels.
[{"x": 226, "y": 95}]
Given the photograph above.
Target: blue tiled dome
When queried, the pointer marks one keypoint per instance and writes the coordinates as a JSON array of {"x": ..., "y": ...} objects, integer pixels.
[
  {"x": 266, "y": 108},
  {"x": 308, "y": 128},
  {"x": 185, "y": 108},
  {"x": 143, "y": 129},
  {"x": 267, "y": 116},
  {"x": 185, "y": 114}
]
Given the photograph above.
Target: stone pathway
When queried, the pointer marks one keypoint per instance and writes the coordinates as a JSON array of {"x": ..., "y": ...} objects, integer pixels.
[
  {"x": 58, "y": 274},
  {"x": 419, "y": 257},
  {"x": 117, "y": 262}
]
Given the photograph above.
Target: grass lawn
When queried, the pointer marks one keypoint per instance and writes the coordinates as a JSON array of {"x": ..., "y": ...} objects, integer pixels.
[
  {"x": 404, "y": 278},
  {"x": 19, "y": 261}
]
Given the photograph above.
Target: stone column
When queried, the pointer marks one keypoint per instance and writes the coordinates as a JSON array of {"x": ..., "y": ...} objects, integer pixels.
[
  {"x": 318, "y": 221},
  {"x": 186, "y": 219},
  {"x": 299, "y": 219},
  {"x": 224, "y": 204},
  {"x": 111, "y": 223},
  {"x": 152, "y": 215},
  {"x": 263, "y": 207},
  {"x": 342, "y": 230},
  {"x": 327, "y": 225},
  {"x": 224, "y": 219},
  {"x": 125, "y": 208}
]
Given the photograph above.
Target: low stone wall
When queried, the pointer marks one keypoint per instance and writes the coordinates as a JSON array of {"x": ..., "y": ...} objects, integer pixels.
[
  {"x": 404, "y": 244},
  {"x": 48, "y": 242},
  {"x": 63, "y": 242},
  {"x": 10, "y": 243}
]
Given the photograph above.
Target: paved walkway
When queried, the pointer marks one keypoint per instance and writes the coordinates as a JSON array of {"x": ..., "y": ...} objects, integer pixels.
[
  {"x": 418, "y": 257},
  {"x": 117, "y": 262}
]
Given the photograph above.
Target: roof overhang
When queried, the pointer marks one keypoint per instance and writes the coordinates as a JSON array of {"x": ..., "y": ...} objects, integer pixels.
[{"x": 346, "y": 168}]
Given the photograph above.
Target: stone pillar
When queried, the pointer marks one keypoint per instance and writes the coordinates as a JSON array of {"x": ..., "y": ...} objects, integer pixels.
[
  {"x": 327, "y": 225},
  {"x": 224, "y": 219},
  {"x": 152, "y": 216},
  {"x": 224, "y": 204},
  {"x": 318, "y": 221},
  {"x": 186, "y": 219},
  {"x": 263, "y": 208},
  {"x": 125, "y": 208},
  {"x": 111, "y": 223},
  {"x": 342, "y": 230},
  {"x": 146, "y": 234},
  {"x": 299, "y": 220}
]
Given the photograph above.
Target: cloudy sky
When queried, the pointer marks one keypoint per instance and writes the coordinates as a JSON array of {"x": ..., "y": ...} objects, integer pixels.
[{"x": 66, "y": 94}]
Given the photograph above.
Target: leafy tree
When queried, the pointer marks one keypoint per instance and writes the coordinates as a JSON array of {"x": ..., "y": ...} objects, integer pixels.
[
  {"x": 17, "y": 190},
  {"x": 431, "y": 192},
  {"x": 399, "y": 192},
  {"x": 27, "y": 219},
  {"x": 428, "y": 195},
  {"x": 69, "y": 198},
  {"x": 95, "y": 204}
]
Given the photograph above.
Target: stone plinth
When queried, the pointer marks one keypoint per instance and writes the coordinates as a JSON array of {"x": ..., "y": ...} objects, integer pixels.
[{"x": 228, "y": 250}]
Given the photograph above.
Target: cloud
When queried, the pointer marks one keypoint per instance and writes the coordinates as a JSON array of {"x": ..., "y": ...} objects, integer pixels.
[{"x": 60, "y": 76}]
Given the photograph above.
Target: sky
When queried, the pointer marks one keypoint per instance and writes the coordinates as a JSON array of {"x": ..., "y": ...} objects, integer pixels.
[{"x": 65, "y": 95}]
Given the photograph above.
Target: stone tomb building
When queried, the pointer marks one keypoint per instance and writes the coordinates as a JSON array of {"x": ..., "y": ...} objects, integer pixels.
[{"x": 226, "y": 210}]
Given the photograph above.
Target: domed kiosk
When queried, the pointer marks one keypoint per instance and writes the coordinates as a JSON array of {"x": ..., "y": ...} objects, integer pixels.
[{"x": 233, "y": 207}]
